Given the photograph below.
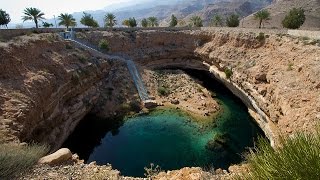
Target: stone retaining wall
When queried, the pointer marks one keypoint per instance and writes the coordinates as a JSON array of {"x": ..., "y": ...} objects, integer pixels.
[
  {"x": 7, "y": 34},
  {"x": 303, "y": 33}
]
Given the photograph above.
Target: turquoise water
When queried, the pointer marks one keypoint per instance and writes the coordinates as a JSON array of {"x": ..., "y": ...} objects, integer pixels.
[{"x": 168, "y": 138}]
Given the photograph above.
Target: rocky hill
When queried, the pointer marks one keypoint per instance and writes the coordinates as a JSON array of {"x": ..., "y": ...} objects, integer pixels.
[
  {"x": 182, "y": 9},
  {"x": 280, "y": 8}
]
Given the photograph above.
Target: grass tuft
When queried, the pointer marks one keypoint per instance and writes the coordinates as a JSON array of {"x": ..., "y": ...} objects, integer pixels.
[
  {"x": 15, "y": 159},
  {"x": 297, "y": 158}
]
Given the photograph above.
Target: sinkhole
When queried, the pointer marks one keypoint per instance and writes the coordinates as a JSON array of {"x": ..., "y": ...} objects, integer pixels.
[{"x": 169, "y": 137}]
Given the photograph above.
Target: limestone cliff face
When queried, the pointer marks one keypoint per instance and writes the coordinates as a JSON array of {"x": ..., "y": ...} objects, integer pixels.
[
  {"x": 276, "y": 76},
  {"x": 47, "y": 87}
]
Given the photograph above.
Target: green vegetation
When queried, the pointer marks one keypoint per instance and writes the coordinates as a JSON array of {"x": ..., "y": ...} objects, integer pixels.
[
  {"x": 262, "y": 15},
  {"x": 4, "y": 18},
  {"x": 182, "y": 23},
  {"x": 144, "y": 22},
  {"x": 46, "y": 24},
  {"x": 88, "y": 20},
  {"x": 196, "y": 21},
  {"x": 33, "y": 14},
  {"x": 173, "y": 21},
  {"x": 132, "y": 22},
  {"x": 294, "y": 19},
  {"x": 110, "y": 20},
  {"x": 228, "y": 73},
  {"x": 233, "y": 20},
  {"x": 152, "y": 171},
  {"x": 290, "y": 67},
  {"x": 67, "y": 20},
  {"x": 296, "y": 158},
  {"x": 15, "y": 159},
  {"x": 261, "y": 37},
  {"x": 217, "y": 20},
  {"x": 153, "y": 22},
  {"x": 104, "y": 45},
  {"x": 163, "y": 91},
  {"x": 126, "y": 22}
]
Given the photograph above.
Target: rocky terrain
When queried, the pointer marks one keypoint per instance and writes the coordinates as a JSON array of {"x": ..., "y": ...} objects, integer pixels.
[
  {"x": 48, "y": 85},
  {"x": 268, "y": 69},
  {"x": 174, "y": 88},
  {"x": 279, "y": 9}
]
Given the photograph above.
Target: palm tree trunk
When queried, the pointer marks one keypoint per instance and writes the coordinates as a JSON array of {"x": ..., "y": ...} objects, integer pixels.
[
  {"x": 260, "y": 23},
  {"x": 36, "y": 21}
]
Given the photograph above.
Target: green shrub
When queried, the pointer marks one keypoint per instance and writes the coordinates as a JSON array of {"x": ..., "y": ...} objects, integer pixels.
[
  {"x": 104, "y": 45},
  {"x": 233, "y": 20},
  {"x": 294, "y": 19},
  {"x": 290, "y": 67},
  {"x": 163, "y": 91},
  {"x": 261, "y": 37},
  {"x": 82, "y": 58},
  {"x": 228, "y": 73},
  {"x": 15, "y": 159},
  {"x": 298, "y": 158}
]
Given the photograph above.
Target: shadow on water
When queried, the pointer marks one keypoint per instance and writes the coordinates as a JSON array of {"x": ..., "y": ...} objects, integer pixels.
[
  {"x": 88, "y": 134},
  {"x": 167, "y": 137}
]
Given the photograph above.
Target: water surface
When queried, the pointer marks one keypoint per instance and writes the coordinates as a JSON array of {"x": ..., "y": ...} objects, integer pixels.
[{"x": 168, "y": 138}]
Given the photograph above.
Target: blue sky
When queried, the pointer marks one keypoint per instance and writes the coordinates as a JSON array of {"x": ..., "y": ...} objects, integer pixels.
[{"x": 53, "y": 7}]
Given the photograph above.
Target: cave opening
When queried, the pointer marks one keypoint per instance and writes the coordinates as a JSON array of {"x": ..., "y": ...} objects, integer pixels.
[{"x": 168, "y": 137}]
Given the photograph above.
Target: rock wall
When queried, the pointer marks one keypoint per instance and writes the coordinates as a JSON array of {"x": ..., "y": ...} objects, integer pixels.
[
  {"x": 47, "y": 87},
  {"x": 277, "y": 74}
]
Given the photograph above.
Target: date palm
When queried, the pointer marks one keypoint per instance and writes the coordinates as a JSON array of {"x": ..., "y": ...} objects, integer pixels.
[
  {"x": 196, "y": 21},
  {"x": 262, "y": 15},
  {"x": 110, "y": 20},
  {"x": 153, "y": 21},
  {"x": 67, "y": 20},
  {"x": 33, "y": 14},
  {"x": 4, "y": 18}
]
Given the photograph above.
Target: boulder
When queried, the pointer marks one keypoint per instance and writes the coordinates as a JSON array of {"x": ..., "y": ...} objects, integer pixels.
[
  {"x": 149, "y": 104},
  {"x": 175, "y": 101},
  {"x": 60, "y": 156}
]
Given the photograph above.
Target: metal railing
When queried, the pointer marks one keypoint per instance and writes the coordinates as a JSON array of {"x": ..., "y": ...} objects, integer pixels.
[{"x": 130, "y": 64}]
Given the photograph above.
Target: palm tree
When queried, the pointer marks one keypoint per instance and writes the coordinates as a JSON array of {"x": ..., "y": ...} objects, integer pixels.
[
  {"x": 110, "y": 20},
  {"x": 33, "y": 14},
  {"x": 67, "y": 20},
  {"x": 196, "y": 21},
  {"x": 4, "y": 18},
  {"x": 144, "y": 22},
  {"x": 173, "y": 21},
  {"x": 88, "y": 20},
  {"x": 217, "y": 20},
  {"x": 47, "y": 25},
  {"x": 153, "y": 21},
  {"x": 261, "y": 16}
]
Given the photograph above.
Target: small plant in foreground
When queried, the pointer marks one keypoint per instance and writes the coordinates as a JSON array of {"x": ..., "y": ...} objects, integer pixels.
[
  {"x": 152, "y": 171},
  {"x": 228, "y": 73},
  {"x": 163, "y": 91},
  {"x": 290, "y": 67},
  {"x": 15, "y": 159},
  {"x": 261, "y": 37},
  {"x": 104, "y": 45},
  {"x": 296, "y": 158}
]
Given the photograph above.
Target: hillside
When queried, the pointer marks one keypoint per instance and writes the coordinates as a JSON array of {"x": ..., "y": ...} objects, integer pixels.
[
  {"x": 164, "y": 9},
  {"x": 224, "y": 8},
  {"x": 279, "y": 9}
]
